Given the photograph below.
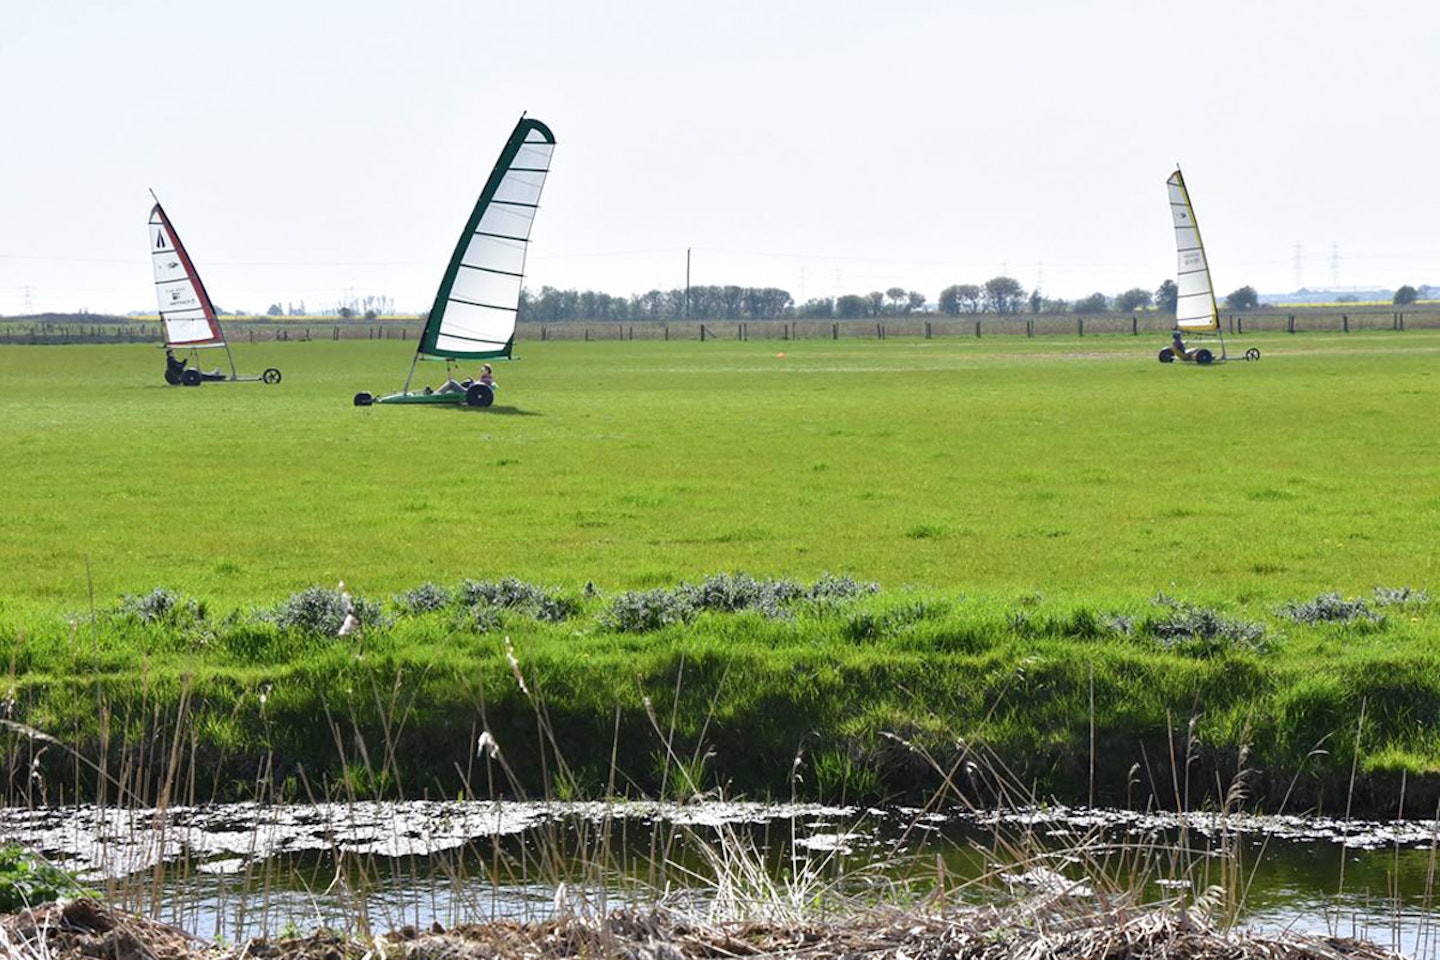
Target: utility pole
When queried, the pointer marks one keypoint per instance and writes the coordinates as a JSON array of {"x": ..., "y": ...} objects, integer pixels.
[{"x": 687, "y": 283}]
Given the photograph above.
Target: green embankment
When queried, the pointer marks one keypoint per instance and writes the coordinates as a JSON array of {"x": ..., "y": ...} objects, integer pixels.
[{"x": 1022, "y": 503}]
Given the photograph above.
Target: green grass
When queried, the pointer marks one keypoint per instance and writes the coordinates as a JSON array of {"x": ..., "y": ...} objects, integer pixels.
[
  {"x": 1018, "y": 499},
  {"x": 1072, "y": 467}
]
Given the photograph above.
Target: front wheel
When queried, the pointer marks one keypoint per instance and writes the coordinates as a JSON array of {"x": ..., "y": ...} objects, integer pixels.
[
  {"x": 271, "y": 375},
  {"x": 1204, "y": 357},
  {"x": 1167, "y": 355},
  {"x": 479, "y": 395},
  {"x": 1252, "y": 354},
  {"x": 363, "y": 399}
]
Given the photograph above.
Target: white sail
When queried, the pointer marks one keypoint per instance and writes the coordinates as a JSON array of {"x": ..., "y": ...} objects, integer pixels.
[
  {"x": 475, "y": 307},
  {"x": 185, "y": 307},
  {"x": 1195, "y": 309}
]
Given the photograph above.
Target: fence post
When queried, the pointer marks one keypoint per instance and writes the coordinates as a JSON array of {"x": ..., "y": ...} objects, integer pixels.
[
  {"x": 587, "y": 334},
  {"x": 977, "y": 329},
  {"x": 1290, "y": 324},
  {"x": 927, "y": 329},
  {"x": 702, "y": 333},
  {"x": 834, "y": 331},
  {"x": 1345, "y": 322},
  {"x": 1134, "y": 325},
  {"x": 1402, "y": 319},
  {"x": 542, "y": 333},
  {"x": 667, "y": 332},
  {"x": 1239, "y": 325},
  {"x": 1080, "y": 325},
  {"x": 1029, "y": 328}
]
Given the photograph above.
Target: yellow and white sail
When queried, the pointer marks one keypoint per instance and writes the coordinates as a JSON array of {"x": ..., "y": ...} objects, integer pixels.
[{"x": 1195, "y": 309}]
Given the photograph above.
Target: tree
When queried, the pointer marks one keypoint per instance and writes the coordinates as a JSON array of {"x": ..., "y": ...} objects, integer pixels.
[
  {"x": 914, "y": 300},
  {"x": 896, "y": 296},
  {"x": 969, "y": 295},
  {"x": 1243, "y": 299},
  {"x": 1134, "y": 299},
  {"x": 818, "y": 308},
  {"x": 1167, "y": 297},
  {"x": 1003, "y": 295},
  {"x": 875, "y": 302},
  {"x": 1095, "y": 303},
  {"x": 1405, "y": 295},
  {"x": 851, "y": 306}
]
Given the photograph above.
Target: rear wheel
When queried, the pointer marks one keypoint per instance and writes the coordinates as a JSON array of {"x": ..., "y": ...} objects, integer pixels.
[
  {"x": 363, "y": 399},
  {"x": 1252, "y": 354},
  {"x": 271, "y": 375},
  {"x": 191, "y": 378},
  {"x": 1203, "y": 356},
  {"x": 479, "y": 395},
  {"x": 172, "y": 377},
  {"x": 1167, "y": 355}
]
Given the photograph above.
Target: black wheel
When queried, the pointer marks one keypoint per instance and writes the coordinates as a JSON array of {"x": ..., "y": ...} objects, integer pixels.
[
  {"x": 191, "y": 378},
  {"x": 1167, "y": 355},
  {"x": 363, "y": 399},
  {"x": 479, "y": 395},
  {"x": 271, "y": 375},
  {"x": 1203, "y": 357},
  {"x": 1252, "y": 354},
  {"x": 172, "y": 377}
]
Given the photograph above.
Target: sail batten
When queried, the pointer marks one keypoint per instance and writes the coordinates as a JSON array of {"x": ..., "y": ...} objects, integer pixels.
[
  {"x": 1195, "y": 308},
  {"x": 475, "y": 308}
]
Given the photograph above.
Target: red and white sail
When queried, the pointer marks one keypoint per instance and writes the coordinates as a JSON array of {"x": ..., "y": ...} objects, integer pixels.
[{"x": 185, "y": 307}]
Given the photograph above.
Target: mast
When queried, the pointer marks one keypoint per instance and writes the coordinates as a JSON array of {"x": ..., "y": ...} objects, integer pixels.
[
  {"x": 479, "y": 297},
  {"x": 186, "y": 310},
  {"x": 1195, "y": 307}
]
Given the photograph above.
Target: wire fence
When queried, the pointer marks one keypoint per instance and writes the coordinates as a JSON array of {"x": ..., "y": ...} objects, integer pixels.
[{"x": 914, "y": 326}]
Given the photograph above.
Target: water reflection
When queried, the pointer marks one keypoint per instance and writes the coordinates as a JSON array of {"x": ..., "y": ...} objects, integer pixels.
[{"x": 237, "y": 870}]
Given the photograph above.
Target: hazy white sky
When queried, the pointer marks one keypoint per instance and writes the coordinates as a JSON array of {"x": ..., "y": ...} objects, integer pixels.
[{"x": 310, "y": 149}]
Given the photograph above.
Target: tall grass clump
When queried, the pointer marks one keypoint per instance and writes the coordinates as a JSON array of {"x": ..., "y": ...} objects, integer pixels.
[
  {"x": 426, "y": 598},
  {"x": 321, "y": 611},
  {"x": 1186, "y": 628},
  {"x": 1404, "y": 597},
  {"x": 160, "y": 606},
  {"x": 1332, "y": 608},
  {"x": 643, "y": 611},
  {"x": 548, "y": 605}
]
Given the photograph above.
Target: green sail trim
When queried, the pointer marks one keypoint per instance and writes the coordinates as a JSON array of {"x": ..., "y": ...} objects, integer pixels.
[{"x": 474, "y": 313}]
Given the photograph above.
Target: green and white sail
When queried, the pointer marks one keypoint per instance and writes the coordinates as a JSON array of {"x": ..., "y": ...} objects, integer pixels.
[
  {"x": 1195, "y": 309},
  {"x": 475, "y": 307},
  {"x": 185, "y": 308}
]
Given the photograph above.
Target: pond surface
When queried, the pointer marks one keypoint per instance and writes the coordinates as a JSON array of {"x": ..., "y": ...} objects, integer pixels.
[{"x": 233, "y": 871}]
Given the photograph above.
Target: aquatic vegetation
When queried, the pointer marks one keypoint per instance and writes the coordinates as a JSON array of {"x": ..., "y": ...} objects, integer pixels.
[{"x": 28, "y": 880}]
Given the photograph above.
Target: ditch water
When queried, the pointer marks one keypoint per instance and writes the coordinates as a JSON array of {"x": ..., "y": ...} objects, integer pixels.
[{"x": 239, "y": 870}]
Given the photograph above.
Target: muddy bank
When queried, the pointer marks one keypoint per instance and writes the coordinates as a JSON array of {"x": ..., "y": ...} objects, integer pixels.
[{"x": 85, "y": 930}]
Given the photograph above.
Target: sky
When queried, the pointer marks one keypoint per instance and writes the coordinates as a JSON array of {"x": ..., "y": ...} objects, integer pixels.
[{"x": 316, "y": 151}]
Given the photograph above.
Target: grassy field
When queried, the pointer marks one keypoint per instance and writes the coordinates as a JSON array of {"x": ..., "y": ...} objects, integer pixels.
[
  {"x": 1021, "y": 502},
  {"x": 1079, "y": 467}
]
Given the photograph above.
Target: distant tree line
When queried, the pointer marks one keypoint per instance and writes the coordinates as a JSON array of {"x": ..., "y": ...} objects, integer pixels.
[{"x": 998, "y": 295}]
